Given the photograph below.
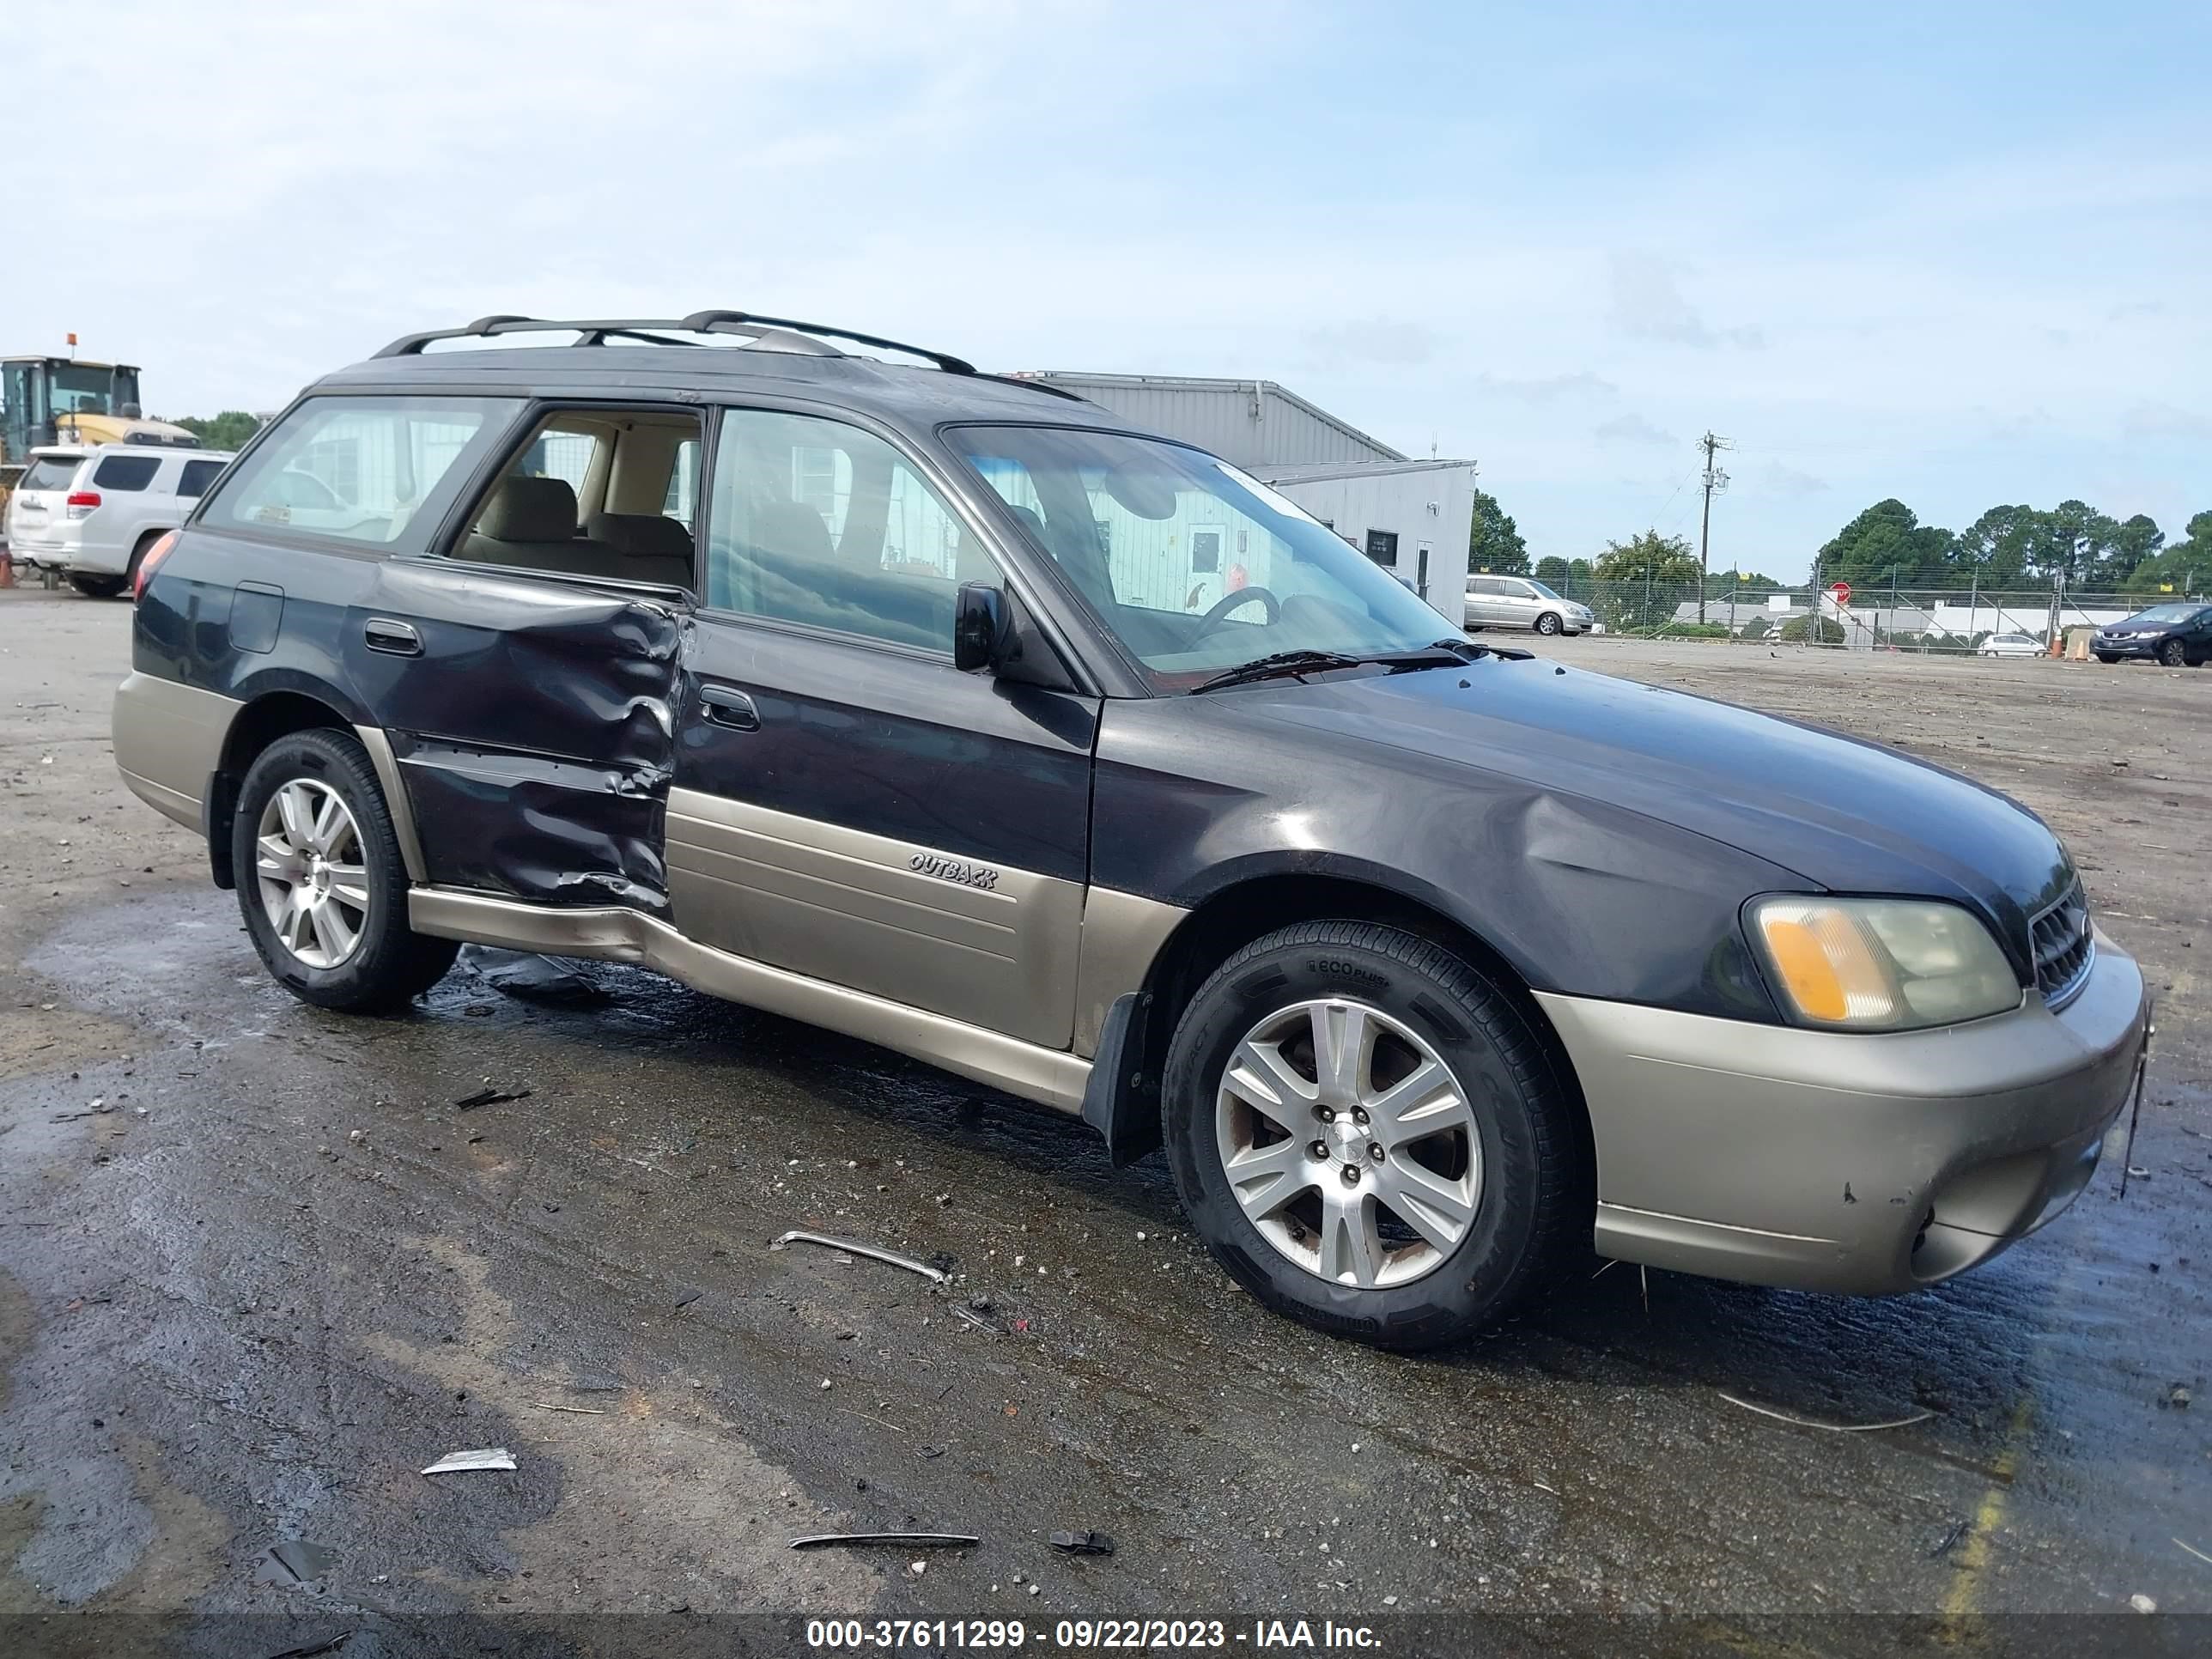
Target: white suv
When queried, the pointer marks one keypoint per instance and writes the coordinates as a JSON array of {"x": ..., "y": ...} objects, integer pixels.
[{"x": 92, "y": 513}]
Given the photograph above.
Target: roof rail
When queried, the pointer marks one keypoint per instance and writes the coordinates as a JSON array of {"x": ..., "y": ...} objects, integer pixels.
[{"x": 782, "y": 332}]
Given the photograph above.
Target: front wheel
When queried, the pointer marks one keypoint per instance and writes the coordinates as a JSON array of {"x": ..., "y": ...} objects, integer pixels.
[
  {"x": 1547, "y": 623},
  {"x": 96, "y": 587},
  {"x": 320, "y": 880},
  {"x": 2172, "y": 653},
  {"x": 1371, "y": 1138}
]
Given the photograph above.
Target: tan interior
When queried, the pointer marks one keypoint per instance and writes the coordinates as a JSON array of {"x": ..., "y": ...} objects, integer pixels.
[{"x": 588, "y": 496}]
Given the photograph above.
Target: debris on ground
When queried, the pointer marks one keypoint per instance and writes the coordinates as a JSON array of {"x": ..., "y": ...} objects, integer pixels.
[
  {"x": 489, "y": 1095},
  {"x": 891, "y": 1258},
  {"x": 2177, "y": 1396},
  {"x": 581, "y": 1411},
  {"x": 2142, "y": 1603},
  {"x": 1831, "y": 1428},
  {"x": 1948, "y": 1541},
  {"x": 301, "y": 1561},
  {"x": 1082, "y": 1543},
  {"x": 930, "y": 1541},
  {"x": 533, "y": 978},
  {"x": 318, "y": 1649},
  {"x": 459, "y": 1462},
  {"x": 2194, "y": 1551}
]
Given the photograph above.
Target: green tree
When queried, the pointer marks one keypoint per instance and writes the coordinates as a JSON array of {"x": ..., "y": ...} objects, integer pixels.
[
  {"x": 1493, "y": 540},
  {"x": 2077, "y": 540},
  {"x": 1719, "y": 583},
  {"x": 228, "y": 430},
  {"x": 1641, "y": 580},
  {"x": 1886, "y": 546},
  {"x": 1832, "y": 631},
  {"x": 1994, "y": 549},
  {"x": 2181, "y": 571},
  {"x": 2138, "y": 538},
  {"x": 1552, "y": 571}
]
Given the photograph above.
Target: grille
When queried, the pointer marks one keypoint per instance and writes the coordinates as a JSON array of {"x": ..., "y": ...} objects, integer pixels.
[{"x": 2063, "y": 947}]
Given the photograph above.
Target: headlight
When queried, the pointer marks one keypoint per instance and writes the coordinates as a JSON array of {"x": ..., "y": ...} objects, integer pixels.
[{"x": 1882, "y": 964}]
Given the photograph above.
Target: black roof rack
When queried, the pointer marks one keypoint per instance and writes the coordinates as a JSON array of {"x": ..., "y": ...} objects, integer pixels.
[{"x": 784, "y": 333}]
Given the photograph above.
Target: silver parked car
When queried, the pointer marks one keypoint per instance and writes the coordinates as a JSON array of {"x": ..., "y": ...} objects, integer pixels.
[
  {"x": 1522, "y": 602},
  {"x": 91, "y": 512}
]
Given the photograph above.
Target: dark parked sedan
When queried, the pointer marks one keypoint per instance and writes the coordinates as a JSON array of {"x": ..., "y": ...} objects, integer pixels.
[
  {"x": 885, "y": 696},
  {"x": 2171, "y": 634}
]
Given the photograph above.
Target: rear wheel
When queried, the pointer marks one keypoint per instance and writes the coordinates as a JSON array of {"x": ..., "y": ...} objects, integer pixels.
[
  {"x": 320, "y": 881},
  {"x": 2172, "y": 653},
  {"x": 1548, "y": 622},
  {"x": 96, "y": 587},
  {"x": 1371, "y": 1138}
]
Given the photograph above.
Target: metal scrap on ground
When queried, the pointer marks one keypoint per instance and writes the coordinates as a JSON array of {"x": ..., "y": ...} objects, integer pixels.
[
  {"x": 488, "y": 1096},
  {"x": 1831, "y": 1428},
  {"x": 489, "y": 1457},
  {"x": 917, "y": 1539},
  {"x": 936, "y": 1275},
  {"x": 1082, "y": 1543}
]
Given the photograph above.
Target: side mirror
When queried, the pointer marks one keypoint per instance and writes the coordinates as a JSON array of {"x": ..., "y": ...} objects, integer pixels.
[{"x": 979, "y": 627}]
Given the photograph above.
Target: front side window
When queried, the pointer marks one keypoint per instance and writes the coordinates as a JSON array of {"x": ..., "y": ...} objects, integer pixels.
[
  {"x": 1192, "y": 565},
  {"x": 372, "y": 470},
  {"x": 126, "y": 473},
  {"x": 821, "y": 524}
]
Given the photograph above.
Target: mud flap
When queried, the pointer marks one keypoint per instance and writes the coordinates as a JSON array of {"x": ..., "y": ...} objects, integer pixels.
[{"x": 1119, "y": 1101}]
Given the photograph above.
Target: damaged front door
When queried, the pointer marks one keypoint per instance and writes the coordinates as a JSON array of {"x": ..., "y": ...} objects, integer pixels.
[{"x": 530, "y": 719}]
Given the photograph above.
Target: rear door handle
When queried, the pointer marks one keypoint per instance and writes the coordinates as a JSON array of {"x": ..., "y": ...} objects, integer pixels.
[
  {"x": 396, "y": 639},
  {"x": 726, "y": 705}
]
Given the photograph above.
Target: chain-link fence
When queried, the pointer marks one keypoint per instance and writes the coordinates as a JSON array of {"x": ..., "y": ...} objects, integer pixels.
[{"x": 1958, "y": 622}]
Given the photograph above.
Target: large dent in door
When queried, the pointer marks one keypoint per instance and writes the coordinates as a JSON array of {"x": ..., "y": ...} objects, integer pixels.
[{"x": 557, "y": 792}]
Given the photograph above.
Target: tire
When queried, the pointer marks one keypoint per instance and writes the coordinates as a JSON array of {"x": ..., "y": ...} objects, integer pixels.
[
  {"x": 387, "y": 963},
  {"x": 2173, "y": 653},
  {"x": 138, "y": 557},
  {"x": 97, "y": 588},
  {"x": 1527, "y": 1183},
  {"x": 2107, "y": 661},
  {"x": 1548, "y": 622}
]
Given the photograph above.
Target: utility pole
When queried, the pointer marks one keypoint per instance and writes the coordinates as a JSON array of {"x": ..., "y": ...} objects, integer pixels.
[{"x": 1714, "y": 479}]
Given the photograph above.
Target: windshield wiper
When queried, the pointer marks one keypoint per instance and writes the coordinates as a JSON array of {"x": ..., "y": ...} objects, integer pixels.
[{"x": 1280, "y": 663}]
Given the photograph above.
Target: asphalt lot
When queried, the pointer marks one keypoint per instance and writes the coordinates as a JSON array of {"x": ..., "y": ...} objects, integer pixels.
[{"x": 256, "y": 1269}]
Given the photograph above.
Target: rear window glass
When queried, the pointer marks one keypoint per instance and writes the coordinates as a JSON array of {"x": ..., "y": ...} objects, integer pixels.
[
  {"x": 195, "y": 479},
  {"x": 125, "y": 472},
  {"x": 51, "y": 473},
  {"x": 374, "y": 469}
]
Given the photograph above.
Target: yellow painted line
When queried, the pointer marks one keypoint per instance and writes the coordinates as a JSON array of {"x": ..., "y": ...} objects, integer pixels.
[{"x": 1973, "y": 1564}]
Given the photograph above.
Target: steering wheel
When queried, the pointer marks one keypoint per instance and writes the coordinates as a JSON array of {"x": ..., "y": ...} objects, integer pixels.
[{"x": 1229, "y": 602}]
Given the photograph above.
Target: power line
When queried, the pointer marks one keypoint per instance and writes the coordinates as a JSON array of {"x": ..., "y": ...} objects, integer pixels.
[{"x": 1715, "y": 480}]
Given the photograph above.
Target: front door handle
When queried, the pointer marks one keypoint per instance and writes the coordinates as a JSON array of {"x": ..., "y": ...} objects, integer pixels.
[
  {"x": 396, "y": 639},
  {"x": 726, "y": 705}
]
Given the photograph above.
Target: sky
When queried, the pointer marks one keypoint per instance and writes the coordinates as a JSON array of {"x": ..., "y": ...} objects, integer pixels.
[{"x": 1956, "y": 254}]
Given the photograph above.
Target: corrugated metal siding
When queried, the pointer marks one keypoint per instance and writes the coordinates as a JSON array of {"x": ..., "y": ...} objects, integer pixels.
[{"x": 1249, "y": 422}]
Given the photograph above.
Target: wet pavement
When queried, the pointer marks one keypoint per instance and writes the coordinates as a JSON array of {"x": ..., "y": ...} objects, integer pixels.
[{"x": 257, "y": 1268}]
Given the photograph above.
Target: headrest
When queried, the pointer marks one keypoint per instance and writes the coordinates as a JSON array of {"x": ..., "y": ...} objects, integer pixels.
[
  {"x": 529, "y": 510},
  {"x": 640, "y": 534}
]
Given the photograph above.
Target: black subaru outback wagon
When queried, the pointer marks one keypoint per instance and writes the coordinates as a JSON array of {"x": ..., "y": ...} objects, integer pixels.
[{"x": 947, "y": 711}]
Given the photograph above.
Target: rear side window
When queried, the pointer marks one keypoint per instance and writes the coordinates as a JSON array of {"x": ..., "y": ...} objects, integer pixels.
[
  {"x": 125, "y": 472},
  {"x": 193, "y": 481},
  {"x": 51, "y": 472},
  {"x": 378, "y": 471}
]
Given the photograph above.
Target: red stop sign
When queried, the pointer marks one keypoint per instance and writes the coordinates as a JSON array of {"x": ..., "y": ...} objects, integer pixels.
[{"x": 1841, "y": 591}]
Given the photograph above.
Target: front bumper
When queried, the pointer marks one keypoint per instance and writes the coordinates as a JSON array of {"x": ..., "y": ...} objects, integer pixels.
[
  {"x": 2130, "y": 644},
  {"x": 1863, "y": 1164}
]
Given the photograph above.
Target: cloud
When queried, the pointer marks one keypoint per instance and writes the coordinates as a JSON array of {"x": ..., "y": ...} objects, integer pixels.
[
  {"x": 2135, "y": 308},
  {"x": 1648, "y": 304},
  {"x": 1396, "y": 345},
  {"x": 1789, "y": 481},
  {"x": 1633, "y": 429},
  {"x": 2149, "y": 421},
  {"x": 1580, "y": 387}
]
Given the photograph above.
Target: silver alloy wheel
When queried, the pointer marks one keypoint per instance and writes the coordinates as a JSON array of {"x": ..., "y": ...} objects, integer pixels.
[
  {"x": 307, "y": 857},
  {"x": 1547, "y": 623},
  {"x": 1348, "y": 1144}
]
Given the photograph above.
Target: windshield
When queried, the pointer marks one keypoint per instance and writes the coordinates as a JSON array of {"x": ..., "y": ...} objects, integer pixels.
[
  {"x": 1192, "y": 565},
  {"x": 1540, "y": 588},
  {"x": 82, "y": 391},
  {"x": 2166, "y": 613}
]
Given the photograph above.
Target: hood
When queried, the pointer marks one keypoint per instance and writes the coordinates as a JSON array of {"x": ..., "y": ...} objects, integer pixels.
[{"x": 1847, "y": 815}]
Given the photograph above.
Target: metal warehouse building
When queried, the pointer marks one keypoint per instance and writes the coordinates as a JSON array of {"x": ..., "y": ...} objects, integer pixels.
[{"x": 1411, "y": 517}]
